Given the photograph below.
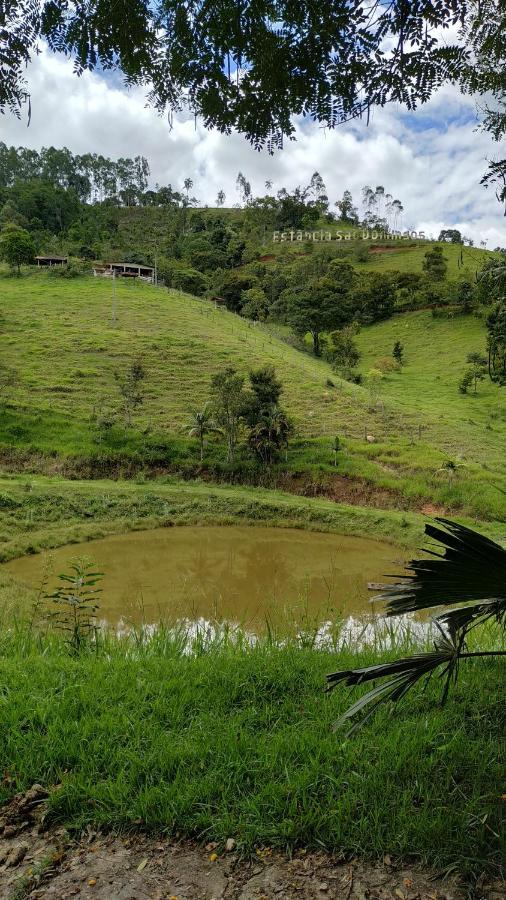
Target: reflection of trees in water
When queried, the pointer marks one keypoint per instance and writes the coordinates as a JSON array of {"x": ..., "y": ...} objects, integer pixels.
[
  {"x": 227, "y": 574},
  {"x": 238, "y": 574}
]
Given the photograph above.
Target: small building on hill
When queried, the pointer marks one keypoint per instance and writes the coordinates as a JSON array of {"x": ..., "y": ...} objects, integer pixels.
[
  {"x": 218, "y": 301},
  {"x": 125, "y": 270},
  {"x": 51, "y": 260}
]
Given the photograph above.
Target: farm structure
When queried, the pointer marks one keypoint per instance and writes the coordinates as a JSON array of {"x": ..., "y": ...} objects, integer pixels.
[
  {"x": 51, "y": 260},
  {"x": 125, "y": 270}
]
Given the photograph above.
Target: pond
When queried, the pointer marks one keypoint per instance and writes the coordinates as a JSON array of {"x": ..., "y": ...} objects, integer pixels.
[{"x": 246, "y": 576}]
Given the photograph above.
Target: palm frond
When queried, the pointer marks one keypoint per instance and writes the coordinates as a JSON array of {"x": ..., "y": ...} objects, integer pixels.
[
  {"x": 472, "y": 568},
  {"x": 406, "y": 673}
]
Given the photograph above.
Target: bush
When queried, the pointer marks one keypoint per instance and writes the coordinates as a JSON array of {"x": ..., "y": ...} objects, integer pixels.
[
  {"x": 362, "y": 253},
  {"x": 466, "y": 381},
  {"x": 386, "y": 365},
  {"x": 71, "y": 270}
]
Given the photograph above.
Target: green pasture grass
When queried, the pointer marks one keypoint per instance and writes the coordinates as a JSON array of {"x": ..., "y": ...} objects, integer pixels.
[
  {"x": 463, "y": 262},
  {"x": 57, "y": 335},
  {"x": 400, "y": 255},
  {"x": 62, "y": 352},
  {"x": 436, "y": 349},
  {"x": 237, "y": 741}
]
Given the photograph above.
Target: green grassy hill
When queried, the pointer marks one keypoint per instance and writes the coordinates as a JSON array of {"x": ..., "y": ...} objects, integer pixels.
[
  {"x": 61, "y": 353},
  {"x": 58, "y": 336}
]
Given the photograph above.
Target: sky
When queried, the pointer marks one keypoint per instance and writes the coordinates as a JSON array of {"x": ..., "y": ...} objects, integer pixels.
[{"x": 431, "y": 160}]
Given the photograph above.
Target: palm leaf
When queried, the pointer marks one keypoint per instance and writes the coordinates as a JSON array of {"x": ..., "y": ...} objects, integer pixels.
[{"x": 472, "y": 568}]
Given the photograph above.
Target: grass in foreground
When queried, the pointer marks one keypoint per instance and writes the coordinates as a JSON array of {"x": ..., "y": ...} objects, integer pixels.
[{"x": 238, "y": 741}]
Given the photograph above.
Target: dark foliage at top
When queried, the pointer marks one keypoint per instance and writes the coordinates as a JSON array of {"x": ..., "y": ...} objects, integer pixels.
[{"x": 251, "y": 66}]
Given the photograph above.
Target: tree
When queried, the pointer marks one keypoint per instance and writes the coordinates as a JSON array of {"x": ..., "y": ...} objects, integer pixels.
[
  {"x": 471, "y": 568},
  {"x": 270, "y": 435},
  {"x": 232, "y": 287},
  {"x": 398, "y": 353},
  {"x": 131, "y": 391},
  {"x": 450, "y": 236},
  {"x": 201, "y": 423},
  {"x": 265, "y": 391},
  {"x": 255, "y": 304},
  {"x": 190, "y": 58},
  {"x": 189, "y": 280},
  {"x": 53, "y": 206},
  {"x": 16, "y": 247},
  {"x": 220, "y": 198},
  {"x": 318, "y": 191},
  {"x": 343, "y": 351},
  {"x": 478, "y": 364},
  {"x": 434, "y": 264},
  {"x": 228, "y": 401},
  {"x": 268, "y": 424},
  {"x": 347, "y": 211},
  {"x": 294, "y": 210},
  {"x": 314, "y": 309},
  {"x": 373, "y": 297},
  {"x": 187, "y": 184},
  {"x": 496, "y": 342},
  {"x": 464, "y": 296},
  {"x": 466, "y": 381},
  {"x": 243, "y": 187}
]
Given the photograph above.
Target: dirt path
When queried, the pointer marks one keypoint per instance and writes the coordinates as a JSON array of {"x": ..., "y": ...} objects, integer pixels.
[{"x": 35, "y": 863}]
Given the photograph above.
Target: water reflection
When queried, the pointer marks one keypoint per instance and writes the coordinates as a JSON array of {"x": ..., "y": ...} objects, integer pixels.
[{"x": 257, "y": 579}]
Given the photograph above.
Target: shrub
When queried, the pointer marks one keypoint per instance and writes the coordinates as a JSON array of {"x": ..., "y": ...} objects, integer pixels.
[
  {"x": 466, "y": 381},
  {"x": 386, "y": 365},
  {"x": 71, "y": 270}
]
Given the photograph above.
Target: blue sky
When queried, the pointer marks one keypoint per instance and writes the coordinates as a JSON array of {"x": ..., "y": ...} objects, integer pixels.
[{"x": 431, "y": 159}]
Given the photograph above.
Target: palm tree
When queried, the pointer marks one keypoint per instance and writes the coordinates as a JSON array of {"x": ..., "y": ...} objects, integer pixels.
[
  {"x": 270, "y": 435},
  {"x": 200, "y": 424},
  {"x": 473, "y": 569}
]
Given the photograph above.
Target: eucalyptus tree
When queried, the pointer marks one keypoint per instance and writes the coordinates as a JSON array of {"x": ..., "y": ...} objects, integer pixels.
[{"x": 243, "y": 188}]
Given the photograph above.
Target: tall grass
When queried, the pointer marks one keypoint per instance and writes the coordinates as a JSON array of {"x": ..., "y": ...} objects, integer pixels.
[{"x": 203, "y": 732}]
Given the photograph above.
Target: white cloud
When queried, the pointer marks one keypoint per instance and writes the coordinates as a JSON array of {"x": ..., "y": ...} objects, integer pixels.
[{"x": 432, "y": 159}]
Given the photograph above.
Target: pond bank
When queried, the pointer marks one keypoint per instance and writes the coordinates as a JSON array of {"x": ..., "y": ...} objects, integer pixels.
[{"x": 38, "y": 513}]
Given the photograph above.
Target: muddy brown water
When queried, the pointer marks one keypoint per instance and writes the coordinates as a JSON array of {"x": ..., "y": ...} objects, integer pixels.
[{"x": 238, "y": 574}]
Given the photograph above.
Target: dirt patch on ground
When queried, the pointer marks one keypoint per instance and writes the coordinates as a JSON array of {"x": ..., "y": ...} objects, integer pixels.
[
  {"x": 380, "y": 248},
  {"x": 341, "y": 489},
  {"x": 428, "y": 509},
  {"x": 38, "y": 863}
]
